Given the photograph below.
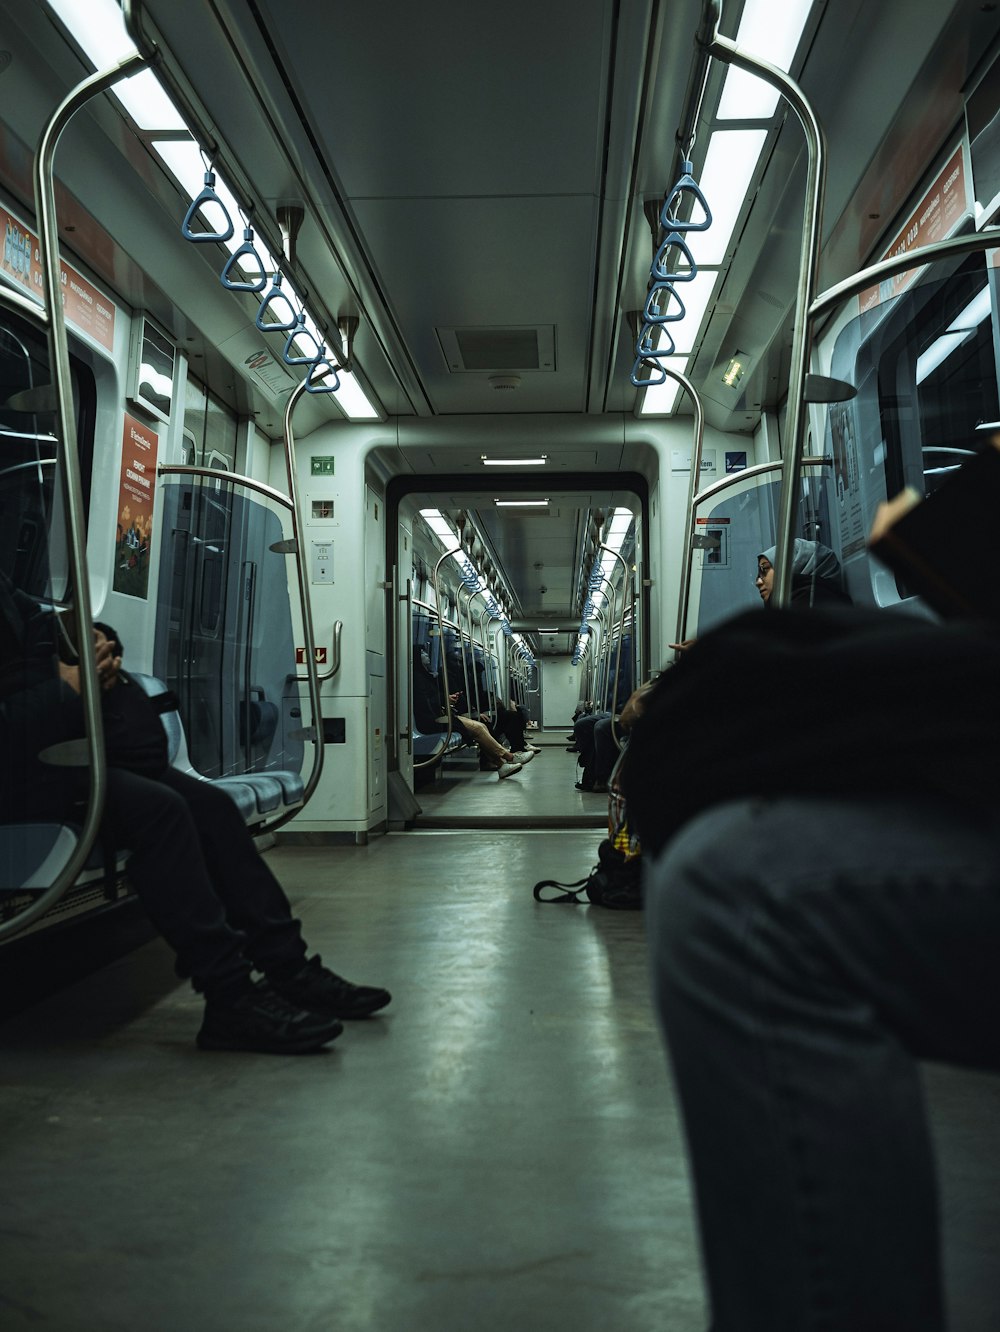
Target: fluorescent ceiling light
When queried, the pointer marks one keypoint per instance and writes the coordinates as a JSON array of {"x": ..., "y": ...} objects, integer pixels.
[
  {"x": 958, "y": 331},
  {"x": 540, "y": 630},
  {"x": 99, "y": 28},
  {"x": 730, "y": 163},
  {"x": 353, "y": 399},
  {"x": 621, "y": 521},
  {"x": 661, "y": 399},
  {"x": 521, "y": 504},
  {"x": 439, "y": 525},
  {"x": 513, "y": 462},
  {"x": 772, "y": 32}
]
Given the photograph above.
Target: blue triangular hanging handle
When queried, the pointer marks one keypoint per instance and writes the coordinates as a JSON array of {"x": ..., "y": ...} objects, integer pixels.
[
  {"x": 319, "y": 367},
  {"x": 650, "y": 315},
  {"x": 657, "y": 374},
  {"x": 659, "y": 270},
  {"x": 207, "y": 196},
  {"x": 246, "y": 251},
  {"x": 686, "y": 184},
  {"x": 299, "y": 330},
  {"x": 276, "y": 325},
  {"x": 644, "y": 346}
]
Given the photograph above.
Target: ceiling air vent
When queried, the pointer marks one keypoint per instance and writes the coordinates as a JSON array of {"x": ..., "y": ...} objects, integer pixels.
[{"x": 501, "y": 350}]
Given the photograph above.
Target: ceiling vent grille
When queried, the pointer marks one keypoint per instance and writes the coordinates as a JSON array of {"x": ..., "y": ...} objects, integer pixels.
[{"x": 521, "y": 348}]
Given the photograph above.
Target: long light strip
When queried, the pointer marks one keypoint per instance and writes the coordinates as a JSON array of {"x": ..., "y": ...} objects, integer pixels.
[
  {"x": 772, "y": 31},
  {"x": 730, "y": 164},
  {"x": 99, "y": 27}
]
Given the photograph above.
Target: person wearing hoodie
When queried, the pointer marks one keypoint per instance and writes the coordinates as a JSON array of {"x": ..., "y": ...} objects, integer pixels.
[{"x": 816, "y": 576}]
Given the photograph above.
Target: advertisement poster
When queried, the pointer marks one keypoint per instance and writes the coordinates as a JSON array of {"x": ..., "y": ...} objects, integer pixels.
[
  {"x": 84, "y": 306},
  {"x": 136, "y": 492}
]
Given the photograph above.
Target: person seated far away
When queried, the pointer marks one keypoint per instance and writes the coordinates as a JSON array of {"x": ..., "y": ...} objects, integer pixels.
[
  {"x": 431, "y": 719},
  {"x": 816, "y": 575},
  {"x": 192, "y": 861},
  {"x": 823, "y": 911}
]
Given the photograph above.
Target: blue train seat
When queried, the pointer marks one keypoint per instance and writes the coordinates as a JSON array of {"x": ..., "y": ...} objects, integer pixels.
[{"x": 256, "y": 794}]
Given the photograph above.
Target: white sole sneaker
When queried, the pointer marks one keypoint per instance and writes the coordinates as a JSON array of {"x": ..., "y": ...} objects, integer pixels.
[
  {"x": 508, "y": 769},
  {"x": 523, "y": 756}
]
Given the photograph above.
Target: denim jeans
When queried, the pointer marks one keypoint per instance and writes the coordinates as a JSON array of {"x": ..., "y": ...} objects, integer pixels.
[{"x": 806, "y": 952}]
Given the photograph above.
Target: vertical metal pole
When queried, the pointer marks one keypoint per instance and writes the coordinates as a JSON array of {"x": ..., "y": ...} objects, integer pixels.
[
  {"x": 728, "y": 51},
  {"x": 304, "y": 598}
]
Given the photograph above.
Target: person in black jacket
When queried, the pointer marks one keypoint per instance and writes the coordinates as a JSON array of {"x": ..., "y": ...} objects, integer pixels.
[
  {"x": 192, "y": 860},
  {"x": 823, "y": 911}
]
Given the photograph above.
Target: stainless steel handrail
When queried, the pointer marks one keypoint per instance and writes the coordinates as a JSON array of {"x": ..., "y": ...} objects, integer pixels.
[
  {"x": 335, "y": 653},
  {"x": 407, "y": 733},
  {"x": 758, "y": 469},
  {"x": 427, "y": 763},
  {"x": 621, "y": 634},
  {"x": 305, "y": 602},
  {"x": 728, "y": 51},
  {"x": 53, "y": 320}
]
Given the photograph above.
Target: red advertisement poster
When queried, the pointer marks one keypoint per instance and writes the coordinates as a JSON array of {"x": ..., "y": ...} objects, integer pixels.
[
  {"x": 85, "y": 307},
  {"x": 932, "y": 220},
  {"x": 136, "y": 494}
]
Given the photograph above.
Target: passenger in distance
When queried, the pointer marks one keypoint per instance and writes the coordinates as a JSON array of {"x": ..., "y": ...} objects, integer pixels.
[
  {"x": 428, "y": 702},
  {"x": 193, "y": 863},
  {"x": 816, "y": 575}
]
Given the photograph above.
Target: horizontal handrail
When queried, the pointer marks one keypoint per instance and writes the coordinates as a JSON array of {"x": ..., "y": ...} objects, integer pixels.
[
  {"x": 758, "y": 469},
  {"x": 987, "y": 239},
  {"x": 229, "y": 479}
]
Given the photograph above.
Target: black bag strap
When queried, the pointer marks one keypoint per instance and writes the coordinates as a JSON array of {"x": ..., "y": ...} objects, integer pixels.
[{"x": 571, "y": 895}]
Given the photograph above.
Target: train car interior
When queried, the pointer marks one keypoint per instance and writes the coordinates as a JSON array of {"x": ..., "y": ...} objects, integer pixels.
[{"x": 403, "y": 387}]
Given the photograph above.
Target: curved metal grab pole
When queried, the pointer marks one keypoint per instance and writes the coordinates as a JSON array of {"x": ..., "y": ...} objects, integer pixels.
[
  {"x": 684, "y": 592},
  {"x": 311, "y": 677},
  {"x": 489, "y": 655},
  {"x": 987, "y": 239},
  {"x": 407, "y": 732},
  {"x": 335, "y": 654},
  {"x": 427, "y": 763},
  {"x": 621, "y": 634},
  {"x": 728, "y": 51},
  {"x": 604, "y": 659},
  {"x": 758, "y": 469},
  {"x": 54, "y": 321}
]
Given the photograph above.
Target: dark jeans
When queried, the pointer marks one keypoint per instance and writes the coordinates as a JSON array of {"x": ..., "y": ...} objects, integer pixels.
[
  {"x": 200, "y": 878},
  {"x": 806, "y": 953}
]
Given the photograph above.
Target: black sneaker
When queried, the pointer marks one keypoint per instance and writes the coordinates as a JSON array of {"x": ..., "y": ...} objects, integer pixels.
[
  {"x": 320, "y": 990},
  {"x": 262, "y": 1020}
]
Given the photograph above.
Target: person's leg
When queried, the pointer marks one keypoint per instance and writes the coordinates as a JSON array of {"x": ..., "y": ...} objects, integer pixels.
[
  {"x": 170, "y": 877},
  {"x": 478, "y": 733},
  {"x": 583, "y": 730},
  {"x": 805, "y": 953},
  {"x": 605, "y": 751},
  {"x": 254, "y": 901}
]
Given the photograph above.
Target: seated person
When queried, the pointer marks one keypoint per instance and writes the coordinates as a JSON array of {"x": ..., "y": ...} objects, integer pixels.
[
  {"x": 509, "y": 725},
  {"x": 816, "y": 576},
  {"x": 431, "y": 719},
  {"x": 821, "y": 917},
  {"x": 193, "y": 862}
]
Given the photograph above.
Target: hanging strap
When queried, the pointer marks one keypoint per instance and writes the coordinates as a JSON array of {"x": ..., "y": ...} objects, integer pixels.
[{"x": 571, "y": 894}]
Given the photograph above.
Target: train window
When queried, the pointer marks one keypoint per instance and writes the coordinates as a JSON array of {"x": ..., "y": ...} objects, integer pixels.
[
  {"x": 211, "y": 425},
  {"x": 937, "y": 379},
  {"x": 29, "y": 451}
]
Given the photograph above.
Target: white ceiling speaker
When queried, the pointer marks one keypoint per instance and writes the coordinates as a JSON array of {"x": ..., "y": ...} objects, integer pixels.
[{"x": 504, "y": 383}]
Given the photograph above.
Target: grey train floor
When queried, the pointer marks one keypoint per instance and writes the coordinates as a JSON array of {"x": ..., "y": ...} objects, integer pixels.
[{"x": 499, "y": 1150}]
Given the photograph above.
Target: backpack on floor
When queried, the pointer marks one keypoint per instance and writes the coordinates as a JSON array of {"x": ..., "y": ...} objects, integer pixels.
[{"x": 613, "y": 882}]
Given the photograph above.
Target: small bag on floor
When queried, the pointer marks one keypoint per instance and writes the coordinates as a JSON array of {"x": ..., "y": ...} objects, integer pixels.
[{"x": 613, "y": 882}]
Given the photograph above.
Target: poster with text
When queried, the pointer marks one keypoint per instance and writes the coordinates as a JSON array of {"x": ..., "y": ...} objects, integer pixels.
[{"x": 136, "y": 493}]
